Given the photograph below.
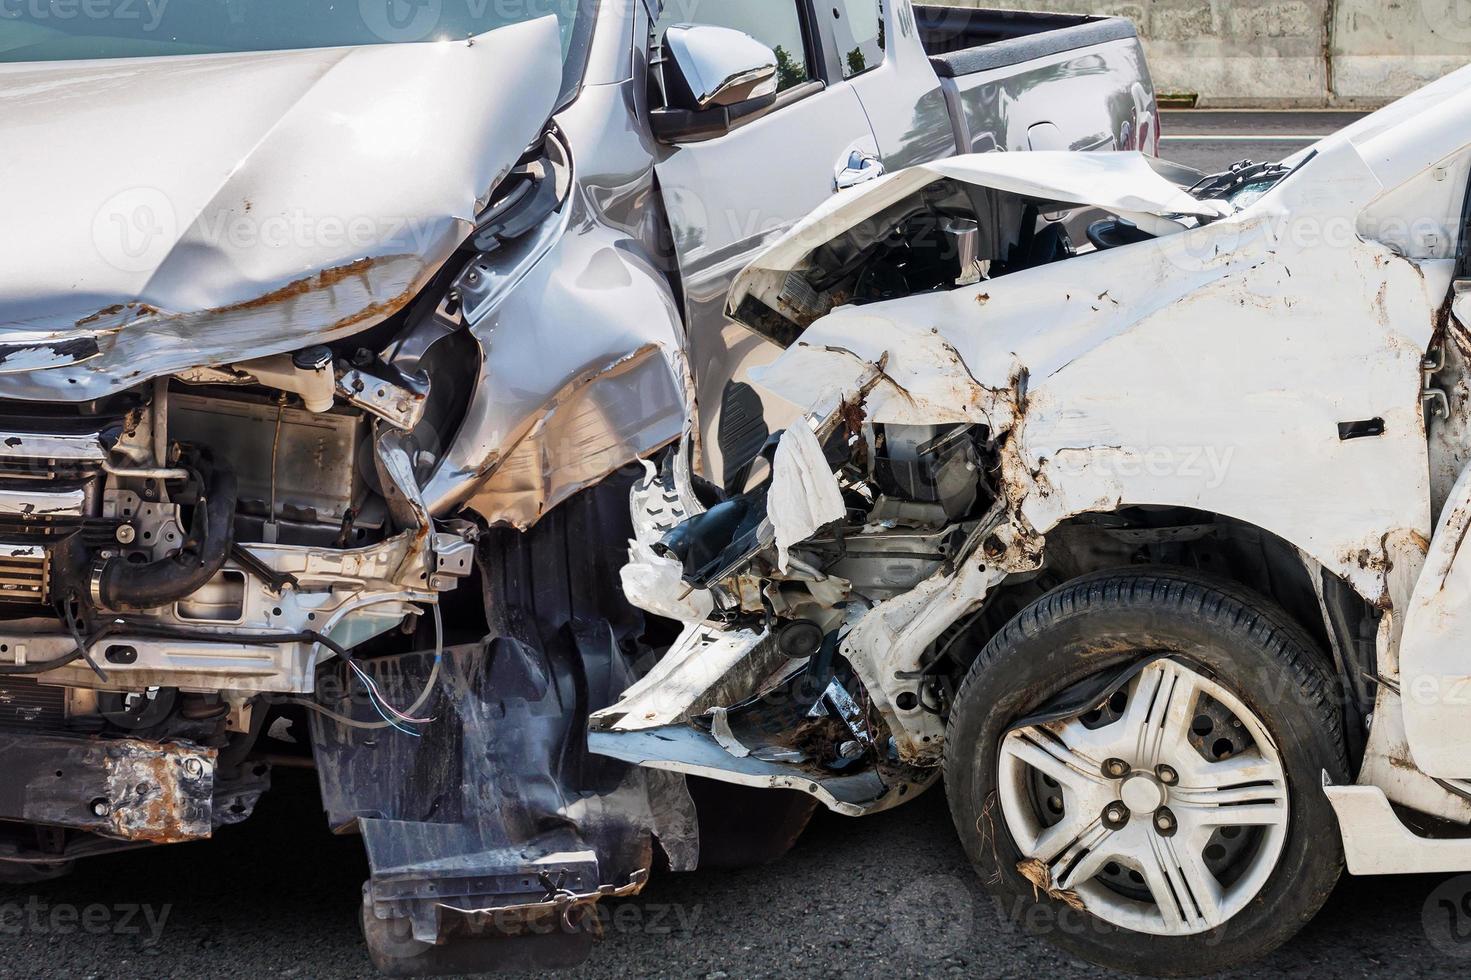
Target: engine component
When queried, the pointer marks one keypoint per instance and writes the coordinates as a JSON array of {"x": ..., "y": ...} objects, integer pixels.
[
  {"x": 120, "y": 584},
  {"x": 307, "y": 373},
  {"x": 291, "y": 464},
  {"x": 929, "y": 464}
]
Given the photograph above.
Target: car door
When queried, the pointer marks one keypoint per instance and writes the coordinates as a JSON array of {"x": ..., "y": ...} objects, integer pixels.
[
  {"x": 879, "y": 50},
  {"x": 726, "y": 198}
]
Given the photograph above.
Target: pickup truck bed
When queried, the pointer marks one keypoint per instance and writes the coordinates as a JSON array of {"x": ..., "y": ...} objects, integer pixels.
[
  {"x": 987, "y": 60},
  {"x": 963, "y": 41}
]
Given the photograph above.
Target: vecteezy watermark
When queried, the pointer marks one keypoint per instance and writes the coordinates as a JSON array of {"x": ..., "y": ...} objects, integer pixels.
[
  {"x": 403, "y": 21},
  {"x": 134, "y": 230},
  {"x": 1446, "y": 917},
  {"x": 1206, "y": 466},
  {"x": 398, "y": 21},
  {"x": 1448, "y": 19},
  {"x": 148, "y": 12},
  {"x": 36, "y": 917},
  {"x": 600, "y": 919}
]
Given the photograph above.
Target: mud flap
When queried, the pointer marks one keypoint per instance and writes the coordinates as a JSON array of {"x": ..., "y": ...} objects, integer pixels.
[{"x": 496, "y": 823}]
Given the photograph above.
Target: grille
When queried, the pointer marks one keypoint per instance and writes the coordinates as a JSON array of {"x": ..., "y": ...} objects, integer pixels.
[
  {"x": 26, "y": 704},
  {"x": 25, "y": 573}
]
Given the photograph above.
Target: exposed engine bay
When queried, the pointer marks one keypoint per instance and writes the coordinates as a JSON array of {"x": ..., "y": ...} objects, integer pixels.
[
  {"x": 832, "y": 608},
  {"x": 243, "y": 564},
  {"x": 174, "y": 552}
]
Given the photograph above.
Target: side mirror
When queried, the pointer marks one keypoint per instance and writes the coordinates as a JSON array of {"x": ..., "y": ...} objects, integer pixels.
[{"x": 714, "y": 77}]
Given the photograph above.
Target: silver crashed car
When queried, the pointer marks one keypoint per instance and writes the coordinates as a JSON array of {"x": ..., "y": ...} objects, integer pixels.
[{"x": 1152, "y": 546}]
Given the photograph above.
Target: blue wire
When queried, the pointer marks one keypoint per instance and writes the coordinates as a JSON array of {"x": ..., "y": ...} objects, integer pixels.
[{"x": 391, "y": 723}]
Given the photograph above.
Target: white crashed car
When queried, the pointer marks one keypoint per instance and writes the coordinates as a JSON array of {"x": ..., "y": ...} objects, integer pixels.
[{"x": 1129, "y": 499}]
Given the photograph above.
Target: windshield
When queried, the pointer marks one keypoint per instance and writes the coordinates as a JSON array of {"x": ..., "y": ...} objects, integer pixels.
[{"x": 74, "y": 30}]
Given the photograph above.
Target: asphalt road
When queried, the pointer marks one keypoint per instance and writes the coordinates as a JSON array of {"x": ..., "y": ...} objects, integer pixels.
[
  {"x": 885, "y": 896},
  {"x": 879, "y": 897},
  {"x": 1211, "y": 140}
]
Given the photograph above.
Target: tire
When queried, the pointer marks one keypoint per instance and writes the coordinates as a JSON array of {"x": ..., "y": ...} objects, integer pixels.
[{"x": 1097, "y": 625}]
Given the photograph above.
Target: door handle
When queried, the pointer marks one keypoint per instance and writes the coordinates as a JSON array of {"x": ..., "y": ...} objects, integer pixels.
[{"x": 857, "y": 168}]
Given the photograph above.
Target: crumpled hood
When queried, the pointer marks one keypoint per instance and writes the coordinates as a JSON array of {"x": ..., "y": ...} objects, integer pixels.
[
  {"x": 1123, "y": 183},
  {"x": 166, "y": 213}
]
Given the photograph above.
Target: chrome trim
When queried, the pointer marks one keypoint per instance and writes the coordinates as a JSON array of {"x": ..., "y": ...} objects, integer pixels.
[{"x": 80, "y": 448}]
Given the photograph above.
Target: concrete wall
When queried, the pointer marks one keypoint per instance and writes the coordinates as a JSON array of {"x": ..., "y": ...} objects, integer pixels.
[{"x": 1287, "y": 53}]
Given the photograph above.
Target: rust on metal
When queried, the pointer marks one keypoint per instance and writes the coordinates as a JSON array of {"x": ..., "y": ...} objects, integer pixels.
[{"x": 159, "y": 793}]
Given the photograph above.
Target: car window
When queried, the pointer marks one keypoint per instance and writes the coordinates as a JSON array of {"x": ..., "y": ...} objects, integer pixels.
[
  {"x": 859, "y": 29},
  {"x": 775, "y": 23}
]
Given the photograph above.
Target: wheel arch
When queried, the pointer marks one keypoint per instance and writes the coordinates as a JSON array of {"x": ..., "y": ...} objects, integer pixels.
[{"x": 1342, "y": 623}]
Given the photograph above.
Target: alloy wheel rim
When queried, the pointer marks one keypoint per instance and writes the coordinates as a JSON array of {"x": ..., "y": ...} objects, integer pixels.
[{"x": 1164, "y": 808}]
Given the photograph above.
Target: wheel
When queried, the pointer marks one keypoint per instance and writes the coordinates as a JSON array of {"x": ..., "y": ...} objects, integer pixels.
[{"x": 1134, "y": 767}]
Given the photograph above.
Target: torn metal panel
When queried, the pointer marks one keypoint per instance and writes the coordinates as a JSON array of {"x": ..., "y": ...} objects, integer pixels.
[
  {"x": 705, "y": 669},
  {"x": 212, "y": 250},
  {"x": 1434, "y": 675},
  {"x": 651, "y": 581},
  {"x": 1121, "y": 182},
  {"x": 684, "y": 749},
  {"x": 1195, "y": 313},
  {"x": 495, "y": 799},
  {"x": 500, "y": 789},
  {"x": 596, "y": 423},
  {"x": 885, "y": 645},
  {"x": 586, "y": 336}
]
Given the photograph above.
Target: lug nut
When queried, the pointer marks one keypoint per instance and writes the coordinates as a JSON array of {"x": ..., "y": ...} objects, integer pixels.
[
  {"x": 1167, "y": 775},
  {"x": 1115, "y": 815},
  {"x": 1115, "y": 768},
  {"x": 1164, "y": 822}
]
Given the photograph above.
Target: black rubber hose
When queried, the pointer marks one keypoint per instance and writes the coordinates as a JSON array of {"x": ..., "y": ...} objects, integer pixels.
[{"x": 121, "y": 584}]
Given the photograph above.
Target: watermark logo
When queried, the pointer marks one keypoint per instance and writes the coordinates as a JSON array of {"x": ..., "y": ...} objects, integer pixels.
[
  {"x": 933, "y": 916},
  {"x": 1446, "y": 917},
  {"x": 134, "y": 230},
  {"x": 35, "y": 917},
  {"x": 399, "y": 21},
  {"x": 148, "y": 14},
  {"x": 1206, "y": 466},
  {"x": 1450, "y": 19}
]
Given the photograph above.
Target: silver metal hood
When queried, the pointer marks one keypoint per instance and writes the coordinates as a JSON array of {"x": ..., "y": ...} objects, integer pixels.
[{"x": 166, "y": 213}]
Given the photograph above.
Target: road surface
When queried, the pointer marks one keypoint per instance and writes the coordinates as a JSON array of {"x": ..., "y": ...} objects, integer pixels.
[
  {"x": 885, "y": 896},
  {"x": 1212, "y": 140}
]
